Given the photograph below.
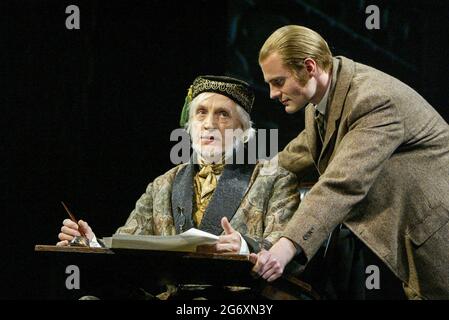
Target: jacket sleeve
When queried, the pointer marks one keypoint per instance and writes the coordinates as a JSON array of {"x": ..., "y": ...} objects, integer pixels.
[
  {"x": 281, "y": 205},
  {"x": 140, "y": 221},
  {"x": 374, "y": 133}
]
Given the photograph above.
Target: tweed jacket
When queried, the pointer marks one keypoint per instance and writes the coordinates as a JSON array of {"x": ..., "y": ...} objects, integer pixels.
[
  {"x": 384, "y": 173},
  {"x": 257, "y": 205}
]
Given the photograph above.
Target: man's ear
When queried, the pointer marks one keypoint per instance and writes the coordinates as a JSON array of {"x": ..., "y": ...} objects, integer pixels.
[{"x": 310, "y": 65}]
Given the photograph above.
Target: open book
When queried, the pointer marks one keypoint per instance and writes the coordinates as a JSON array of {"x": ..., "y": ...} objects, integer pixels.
[{"x": 186, "y": 241}]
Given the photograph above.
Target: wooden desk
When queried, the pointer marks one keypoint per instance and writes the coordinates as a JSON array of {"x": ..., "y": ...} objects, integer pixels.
[{"x": 143, "y": 268}]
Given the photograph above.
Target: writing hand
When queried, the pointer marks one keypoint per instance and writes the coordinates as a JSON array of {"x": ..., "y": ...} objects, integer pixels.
[{"x": 70, "y": 229}]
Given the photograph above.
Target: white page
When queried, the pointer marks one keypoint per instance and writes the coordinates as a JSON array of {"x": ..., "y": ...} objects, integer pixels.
[{"x": 186, "y": 241}]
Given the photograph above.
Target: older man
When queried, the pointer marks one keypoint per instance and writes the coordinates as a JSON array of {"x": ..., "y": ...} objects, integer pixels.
[
  {"x": 382, "y": 153},
  {"x": 237, "y": 202}
]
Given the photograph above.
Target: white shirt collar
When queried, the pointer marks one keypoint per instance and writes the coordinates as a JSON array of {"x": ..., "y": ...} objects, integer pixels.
[{"x": 322, "y": 105}]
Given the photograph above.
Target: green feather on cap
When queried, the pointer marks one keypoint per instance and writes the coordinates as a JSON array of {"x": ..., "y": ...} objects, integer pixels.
[{"x": 186, "y": 108}]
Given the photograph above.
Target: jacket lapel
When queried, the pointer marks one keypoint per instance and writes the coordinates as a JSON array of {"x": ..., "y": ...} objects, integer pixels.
[
  {"x": 182, "y": 198},
  {"x": 313, "y": 139},
  {"x": 344, "y": 76},
  {"x": 228, "y": 195}
]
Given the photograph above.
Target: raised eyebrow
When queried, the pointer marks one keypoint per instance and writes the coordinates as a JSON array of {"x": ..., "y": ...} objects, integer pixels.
[{"x": 200, "y": 107}]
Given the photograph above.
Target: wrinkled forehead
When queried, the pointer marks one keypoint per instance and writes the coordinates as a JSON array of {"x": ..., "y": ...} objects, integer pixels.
[{"x": 214, "y": 100}]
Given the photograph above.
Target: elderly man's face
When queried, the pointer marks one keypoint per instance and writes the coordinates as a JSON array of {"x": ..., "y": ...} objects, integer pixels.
[{"x": 213, "y": 116}]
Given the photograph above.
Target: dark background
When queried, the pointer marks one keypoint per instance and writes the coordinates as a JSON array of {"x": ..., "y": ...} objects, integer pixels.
[{"x": 87, "y": 114}]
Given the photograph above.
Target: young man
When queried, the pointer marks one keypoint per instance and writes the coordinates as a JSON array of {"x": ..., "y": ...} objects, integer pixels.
[{"x": 382, "y": 154}]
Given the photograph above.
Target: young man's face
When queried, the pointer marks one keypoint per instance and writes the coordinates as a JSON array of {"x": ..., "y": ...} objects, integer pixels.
[
  {"x": 284, "y": 86},
  {"x": 212, "y": 117}
]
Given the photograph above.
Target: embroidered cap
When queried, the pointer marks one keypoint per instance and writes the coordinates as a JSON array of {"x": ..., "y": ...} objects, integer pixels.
[{"x": 237, "y": 90}]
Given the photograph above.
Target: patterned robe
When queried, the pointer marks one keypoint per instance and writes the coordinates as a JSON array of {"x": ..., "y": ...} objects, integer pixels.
[{"x": 258, "y": 205}]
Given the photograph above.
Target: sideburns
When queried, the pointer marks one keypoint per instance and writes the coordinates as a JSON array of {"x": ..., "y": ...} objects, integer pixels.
[{"x": 302, "y": 76}]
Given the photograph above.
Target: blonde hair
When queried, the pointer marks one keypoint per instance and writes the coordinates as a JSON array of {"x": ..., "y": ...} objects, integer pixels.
[{"x": 294, "y": 44}]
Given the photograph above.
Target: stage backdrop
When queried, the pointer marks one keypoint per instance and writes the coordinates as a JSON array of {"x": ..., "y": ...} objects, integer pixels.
[{"x": 87, "y": 113}]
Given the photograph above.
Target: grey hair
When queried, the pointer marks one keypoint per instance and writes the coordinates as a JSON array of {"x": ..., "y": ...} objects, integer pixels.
[{"x": 247, "y": 125}]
